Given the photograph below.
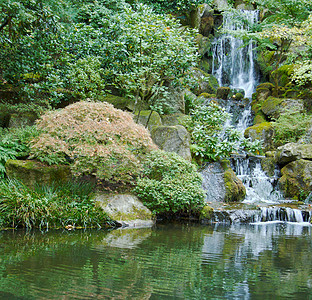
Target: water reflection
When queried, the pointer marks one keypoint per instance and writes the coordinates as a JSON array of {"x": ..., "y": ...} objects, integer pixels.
[{"x": 165, "y": 262}]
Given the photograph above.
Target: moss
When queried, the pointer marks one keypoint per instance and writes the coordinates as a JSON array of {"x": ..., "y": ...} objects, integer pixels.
[
  {"x": 155, "y": 119},
  {"x": 119, "y": 102},
  {"x": 238, "y": 96},
  {"x": 266, "y": 85},
  {"x": 206, "y": 213},
  {"x": 259, "y": 118},
  {"x": 257, "y": 129},
  {"x": 31, "y": 172},
  {"x": 270, "y": 106}
]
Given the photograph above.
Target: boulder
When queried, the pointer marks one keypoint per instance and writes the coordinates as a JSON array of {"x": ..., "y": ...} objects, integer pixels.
[
  {"x": 268, "y": 163},
  {"x": 262, "y": 132},
  {"x": 123, "y": 103},
  {"x": 296, "y": 178},
  {"x": 273, "y": 107},
  {"x": 32, "y": 172},
  {"x": 172, "y": 139},
  {"x": 223, "y": 92},
  {"x": 207, "y": 20},
  {"x": 221, "y": 184},
  {"x": 173, "y": 119},
  {"x": 22, "y": 119},
  {"x": 292, "y": 151},
  {"x": 204, "y": 44},
  {"x": 220, "y": 5},
  {"x": 155, "y": 119},
  {"x": 206, "y": 83},
  {"x": 126, "y": 209}
]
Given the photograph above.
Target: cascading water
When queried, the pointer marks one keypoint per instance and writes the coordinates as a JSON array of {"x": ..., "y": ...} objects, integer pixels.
[{"x": 233, "y": 65}]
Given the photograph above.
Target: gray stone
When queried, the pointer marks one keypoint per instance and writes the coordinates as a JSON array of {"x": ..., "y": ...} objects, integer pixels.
[
  {"x": 292, "y": 151},
  {"x": 126, "y": 209},
  {"x": 206, "y": 83},
  {"x": 173, "y": 139},
  {"x": 220, "y": 5},
  {"x": 22, "y": 119}
]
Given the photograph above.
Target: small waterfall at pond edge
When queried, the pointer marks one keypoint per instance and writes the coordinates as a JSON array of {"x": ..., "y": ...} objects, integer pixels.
[{"x": 233, "y": 66}]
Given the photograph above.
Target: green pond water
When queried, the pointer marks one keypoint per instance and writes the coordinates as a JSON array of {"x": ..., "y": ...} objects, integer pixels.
[{"x": 175, "y": 261}]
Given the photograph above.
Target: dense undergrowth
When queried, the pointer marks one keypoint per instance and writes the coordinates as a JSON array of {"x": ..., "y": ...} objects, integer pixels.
[{"x": 54, "y": 206}]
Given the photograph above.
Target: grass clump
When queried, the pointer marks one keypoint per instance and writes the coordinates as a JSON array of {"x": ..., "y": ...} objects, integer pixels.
[
  {"x": 58, "y": 205},
  {"x": 170, "y": 184}
]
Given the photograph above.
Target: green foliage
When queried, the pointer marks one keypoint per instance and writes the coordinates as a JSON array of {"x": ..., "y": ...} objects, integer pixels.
[
  {"x": 211, "y": 140},
  {"x": 290, "y": 127},
  {"x": 174, "y": 6},
  {"x": 95, "y": 138},
  {"x": 14, "y": 143},
  {"x": 49, "y": 206},
  {"x": 170, "y": 184}
]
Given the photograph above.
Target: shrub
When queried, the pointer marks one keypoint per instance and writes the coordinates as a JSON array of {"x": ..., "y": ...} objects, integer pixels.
[
  {"x": 14, "y": 143},
  {"x": 211, "y": 139},
  {"x": 96, "y": 139},
  {"x": 170, "y": 184},
  {"x": 290, "y": 127},
  {"x": 49, "y": 206}
]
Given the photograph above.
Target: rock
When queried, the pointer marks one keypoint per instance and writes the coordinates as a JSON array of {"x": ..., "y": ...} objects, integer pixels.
[
  {"x": 22, "y": 119},
  {"x": 296, "y": 178},
  {"x": 126, "y": 209},
  {"x": 206, "y": 213},
  {"x": 206, "y": 83},
  {"x": 274, "y": 107},
  {"x": 292, "y": 151},
  {"x": 155, "y": 119},
  {"x": 204, "y": 44},
  {"x": 268, "y": 163},
  {"x": 32, "y": 172},
  {"x": 221, "y": 183},
  {"x": 173, "y": 139},
  {"x": 173, "y": 119},
  {"x": 207, "y": 20},
  {"x": 220, "y": 5},
  {"x": 223, "y": 92},
  {"x": 262, "y": 132},
  {"x": 119, "y": 102}
]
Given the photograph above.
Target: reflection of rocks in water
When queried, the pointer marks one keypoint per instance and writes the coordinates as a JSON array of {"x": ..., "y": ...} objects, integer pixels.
[{"x": 126, "y": 238}]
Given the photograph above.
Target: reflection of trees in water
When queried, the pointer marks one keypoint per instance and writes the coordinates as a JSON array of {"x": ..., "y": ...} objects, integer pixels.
[{"x": 195, "y": 262}]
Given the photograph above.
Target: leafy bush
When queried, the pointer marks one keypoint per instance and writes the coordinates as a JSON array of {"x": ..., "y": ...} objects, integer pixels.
[
  {"x": 169, "y": 183},
  {"x": 211, "y": 139},
  {"x": 14, "y": 143},
  {"x": 49, "y": 206},
  {"x": 290, "y": 127},
  {"x": 95, "y": 138}
]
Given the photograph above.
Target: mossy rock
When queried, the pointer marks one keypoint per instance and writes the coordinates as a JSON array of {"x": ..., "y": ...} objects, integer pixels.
[
  {"x": 126, "y": 209},
  {"x": 205, "y": 83},
  {"x": 283, "y": 74},
  {"x": 19, "y": 120},
  {"x": 266, "y": 85},
  {"x": 223, "y": 92},
  {"x": 259, "y": 118},
  {"x": 32, "y": 172},
  {"x": 292, "y": 151},
  {"x": 173, "y": 139},
  {"x": 206, "y": 213},
  {"x": 235, "y": 189},
  {"x": 296, "y": 178},
  {"x": 119, "y": 102},
  {"x": 262, "y": 132},
  {"x": 173, "y": 119},
  {"x": 204, "y": 44},
  {"x": 155, "y": 119},
  {"x": 268, "y": 163},
  {"x": 238, "y": 96}
]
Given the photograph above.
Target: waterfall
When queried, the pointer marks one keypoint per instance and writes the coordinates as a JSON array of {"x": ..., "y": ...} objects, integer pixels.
[{"x": 233, "y": 63}]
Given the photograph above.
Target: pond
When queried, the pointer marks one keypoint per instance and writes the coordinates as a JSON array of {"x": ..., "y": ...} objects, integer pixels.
[{"x": 173, "y": 261}]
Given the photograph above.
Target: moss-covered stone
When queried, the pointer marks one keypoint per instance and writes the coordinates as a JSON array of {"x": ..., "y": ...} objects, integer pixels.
[
  {"x": 266, "y": 85},
  {"x": 32, "y": 172},
  {"x": 268, "y": 163},
  {"x": 292, "y": 151},
  {"x": 173, "y": 119},
  {"x": 223, "y": 92},
  {"x": 206, "y": 213},
  {"x": 296, "y": 178},
  {"x": 125, "y": 208},
  {"x": 259, "y": 118},
  {"x": 238, "y": 96},
  {"x": 173, "y": 139},
  {"x": 205, "y": 83},
  {"x": 120, "y": 102},
  {"x": 283, "y": 74},
  {"x": 204, "y": 44},
  {"x": 262, "y": 132},
  {"x": 22, "y": 119},
  {"x": 235, "y": 189},
  {"x": 155, "y": 119}
]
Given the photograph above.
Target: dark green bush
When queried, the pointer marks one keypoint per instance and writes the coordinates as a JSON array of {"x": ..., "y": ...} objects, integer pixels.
[{"x": 170, "y": 184}]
